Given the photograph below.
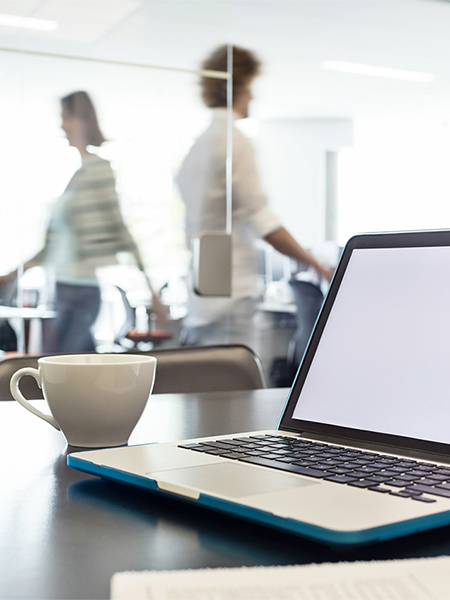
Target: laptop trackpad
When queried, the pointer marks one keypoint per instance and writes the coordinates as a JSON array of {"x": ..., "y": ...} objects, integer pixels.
[{"x": 231, "y": 479}]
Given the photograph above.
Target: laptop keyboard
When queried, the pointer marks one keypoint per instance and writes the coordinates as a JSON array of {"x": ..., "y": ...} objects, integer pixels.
[{"x": 405, "y": 478}]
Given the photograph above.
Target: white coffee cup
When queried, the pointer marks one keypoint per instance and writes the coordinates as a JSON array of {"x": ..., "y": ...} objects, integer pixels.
[{"x": 95, "y": 400}]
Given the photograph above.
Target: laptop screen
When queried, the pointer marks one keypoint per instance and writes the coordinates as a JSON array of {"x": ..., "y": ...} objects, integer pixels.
[{"x": 382, "y": 363}]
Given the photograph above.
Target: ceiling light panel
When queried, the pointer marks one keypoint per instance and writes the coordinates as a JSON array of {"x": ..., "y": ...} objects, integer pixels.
[
  {"x": 376, "y": 71},
  {"x": 86, "y": 22},
  {"x": 15, "y": 21}
]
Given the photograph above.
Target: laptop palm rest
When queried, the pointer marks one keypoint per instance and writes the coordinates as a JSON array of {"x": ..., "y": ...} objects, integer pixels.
[{"x": 228, "y": 479}]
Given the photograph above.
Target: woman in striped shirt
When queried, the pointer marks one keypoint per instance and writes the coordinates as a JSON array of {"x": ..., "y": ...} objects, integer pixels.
[{"x": 86, "y": 231}]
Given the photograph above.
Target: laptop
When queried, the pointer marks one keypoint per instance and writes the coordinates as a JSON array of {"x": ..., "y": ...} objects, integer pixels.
[{"x": 361, "y": 453}]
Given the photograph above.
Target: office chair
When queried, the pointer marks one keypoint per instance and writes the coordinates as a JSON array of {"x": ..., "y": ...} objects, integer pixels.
[
  {"x": 127, "y": 330},
  {"x": 179, "y": 370},
  {"x": 221, "y": 367}
]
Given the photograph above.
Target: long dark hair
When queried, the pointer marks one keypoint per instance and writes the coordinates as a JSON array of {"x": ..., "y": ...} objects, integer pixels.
[{"x": 79, "y": 104}]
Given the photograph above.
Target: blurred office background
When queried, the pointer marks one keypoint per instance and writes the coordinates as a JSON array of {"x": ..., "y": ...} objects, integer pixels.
[{"x": 351, "y": 119}]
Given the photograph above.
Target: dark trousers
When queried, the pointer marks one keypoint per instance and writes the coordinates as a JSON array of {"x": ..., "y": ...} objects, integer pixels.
[{"x": 77, "y": 307}]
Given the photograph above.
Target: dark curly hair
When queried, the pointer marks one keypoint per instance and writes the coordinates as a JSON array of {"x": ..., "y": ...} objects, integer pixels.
[{"x": 246, "y": 66}]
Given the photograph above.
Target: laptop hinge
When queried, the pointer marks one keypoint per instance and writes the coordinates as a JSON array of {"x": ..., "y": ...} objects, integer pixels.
[{"x": 376, "y": 447}]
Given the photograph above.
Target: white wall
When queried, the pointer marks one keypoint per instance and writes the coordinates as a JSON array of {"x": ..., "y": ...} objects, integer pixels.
[
  {"x": 292, "y": 156},
  {"x": 395, "y": 177}
]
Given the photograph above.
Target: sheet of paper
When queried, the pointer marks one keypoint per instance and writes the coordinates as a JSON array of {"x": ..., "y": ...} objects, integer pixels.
[{"x": 412, "y": 579}]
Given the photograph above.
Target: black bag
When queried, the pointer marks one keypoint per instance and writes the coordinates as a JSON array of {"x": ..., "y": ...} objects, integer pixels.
[
  {"x": 282, "y": 372},
  {"x": 8, "y": 338}
]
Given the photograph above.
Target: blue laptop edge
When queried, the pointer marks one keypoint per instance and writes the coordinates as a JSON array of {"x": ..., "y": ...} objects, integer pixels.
[{"x": 318, "y": 534}]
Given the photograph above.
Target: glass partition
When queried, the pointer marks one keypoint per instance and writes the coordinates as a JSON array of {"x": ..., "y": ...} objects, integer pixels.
[
  {"x": 342, "y": 141},
  {"x": 144, "y": 88}
]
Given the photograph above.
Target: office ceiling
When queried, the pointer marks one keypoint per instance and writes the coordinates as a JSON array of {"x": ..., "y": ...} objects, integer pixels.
[{"x": 292, "y": 37}]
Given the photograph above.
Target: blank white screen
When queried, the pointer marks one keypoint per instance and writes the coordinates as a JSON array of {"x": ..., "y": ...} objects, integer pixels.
[{"x": 383, "y": 362}]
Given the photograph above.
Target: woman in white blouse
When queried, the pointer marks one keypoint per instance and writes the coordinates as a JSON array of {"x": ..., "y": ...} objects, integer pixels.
[{"x": 202, "y": 183}]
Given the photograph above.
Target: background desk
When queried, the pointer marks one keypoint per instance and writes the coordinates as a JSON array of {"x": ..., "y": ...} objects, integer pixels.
[
  {"x": 63, "y": 534},
  {"x": 34, "y": 316}
]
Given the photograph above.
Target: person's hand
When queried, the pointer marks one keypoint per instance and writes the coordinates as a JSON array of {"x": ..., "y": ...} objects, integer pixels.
[
  {"x": 326, "y": 272},
  {"x": 160, "y": 310}
]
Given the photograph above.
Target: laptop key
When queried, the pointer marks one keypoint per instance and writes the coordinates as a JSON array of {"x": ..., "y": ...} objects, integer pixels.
[
  {"x": 233, "y": 455},
  {"x": 407, "y": 493},
  {"x": 294, "y": 456},
  {"x": 406, "y": 477},
  {"x": 398, "y": 483},
  {"x": 275, "y": 445},
  {"x": 368, "y": 469},
  {"x": 230, "y": 442},
  {"x": 222, "y": 445},
  {"x": 355, "y": 465},
  {"x": 309, "y": 472},
  {"x": 401, "y": 494},
  {"x": 360, "y": 474},
  {"x": 361, "y": 483},
  {"x": 387, "y": 473},
  {"x": 340, "y": 478},
  {"x": 441, "y": 486},
  {"x": 290, "y": 468},
  {"x": 308, "y": 463},
  {"x": 370, "y": 460},
  {"x": 378, "y": 465},
  {"x": 253, "y": 447},
  {"x": 442, "y": 472},
  {"x": 397, "y": 469},
  {"x": 423, "y": 499},
  {"x": 334, "y": 451},
  {"x": 342, "y": 471},
  {"x": 377, "y": 488},
  {"x": 346, "y": 456},
  {"x": 426, "y": 489},
  {"x": 208, "y": 449},
  {"x": 437, "y": 478},
  {"x": 426, "y": 481},
  {"x": 191, "y": 446},
  {"x": 378, "y": 478}
]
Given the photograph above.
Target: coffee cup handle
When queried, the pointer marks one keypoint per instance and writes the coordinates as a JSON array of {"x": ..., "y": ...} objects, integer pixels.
[{"x": 17, "y": 394}]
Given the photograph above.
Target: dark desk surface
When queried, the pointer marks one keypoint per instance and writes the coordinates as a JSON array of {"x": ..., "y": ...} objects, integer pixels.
[{"x": 63, "y": 534}]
